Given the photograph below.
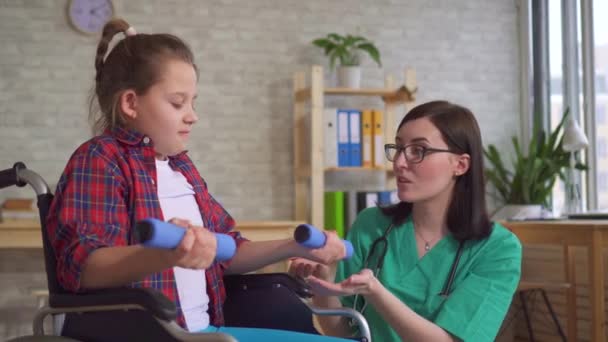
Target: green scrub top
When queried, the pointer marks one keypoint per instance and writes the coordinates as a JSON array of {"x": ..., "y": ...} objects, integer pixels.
[{"x": 485, "y": 281}]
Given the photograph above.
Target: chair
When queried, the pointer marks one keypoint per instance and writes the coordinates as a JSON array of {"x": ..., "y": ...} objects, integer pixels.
[
  {"x": 528, "y": 289},
  {"x": 144, "y": 314}
]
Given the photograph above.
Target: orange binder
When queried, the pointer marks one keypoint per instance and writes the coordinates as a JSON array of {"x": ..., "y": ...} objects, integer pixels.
[
  {"x": 366, "y": 130},
  {"x": 378, "y": 139}
]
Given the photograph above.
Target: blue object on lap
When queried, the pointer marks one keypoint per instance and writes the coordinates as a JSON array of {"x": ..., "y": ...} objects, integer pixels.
[
  {"x": 155, "y": 233},
  {"x": 271, "y": 335},
  {"x": 309, "y": 236}
]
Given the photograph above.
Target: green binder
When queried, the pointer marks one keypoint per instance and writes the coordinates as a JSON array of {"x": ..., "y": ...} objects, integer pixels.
[{"x": 334, "y": 212}]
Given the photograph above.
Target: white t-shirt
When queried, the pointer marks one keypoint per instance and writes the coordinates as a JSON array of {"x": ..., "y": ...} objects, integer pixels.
[{"x": 177, "y": 200}]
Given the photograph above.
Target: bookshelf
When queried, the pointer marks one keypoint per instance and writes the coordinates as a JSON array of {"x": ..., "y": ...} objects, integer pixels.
[{"x": 309, "y": 93}]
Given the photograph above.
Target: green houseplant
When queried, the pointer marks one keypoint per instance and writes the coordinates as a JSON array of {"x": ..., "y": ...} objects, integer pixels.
[
  {"x": 346, "y": 49},
  {"x": 531, "y": 177}
]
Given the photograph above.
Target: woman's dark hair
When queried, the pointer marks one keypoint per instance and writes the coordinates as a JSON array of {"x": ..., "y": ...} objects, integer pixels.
[
  {"x": 136, "y": 62},
  {"x": 467, "y": 216}
]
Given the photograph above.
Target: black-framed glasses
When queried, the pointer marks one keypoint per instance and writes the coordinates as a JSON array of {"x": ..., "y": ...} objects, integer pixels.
[{"x": 413, "y": 153}]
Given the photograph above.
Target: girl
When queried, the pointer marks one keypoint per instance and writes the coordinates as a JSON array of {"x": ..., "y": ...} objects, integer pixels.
[
  {"x": 137, "y": 167},
  {"x": 432, "y": 267}
]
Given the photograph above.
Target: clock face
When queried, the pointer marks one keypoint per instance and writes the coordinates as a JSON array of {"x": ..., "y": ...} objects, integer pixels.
[{"x": 89, "y": 16}]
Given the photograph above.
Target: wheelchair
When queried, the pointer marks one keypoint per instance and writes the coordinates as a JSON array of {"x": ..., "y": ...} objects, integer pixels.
[{"x": 272, "y": 301}]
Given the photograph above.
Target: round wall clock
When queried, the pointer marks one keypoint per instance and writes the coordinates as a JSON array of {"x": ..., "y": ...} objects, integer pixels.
[{"x": 89, "y": 16}]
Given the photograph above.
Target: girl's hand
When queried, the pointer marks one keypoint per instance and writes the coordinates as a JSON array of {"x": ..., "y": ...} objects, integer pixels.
[
  {"x": 197, "y": 249},
  {"x": 304, "y": 268},
  {"x": 332, "y": 252}
]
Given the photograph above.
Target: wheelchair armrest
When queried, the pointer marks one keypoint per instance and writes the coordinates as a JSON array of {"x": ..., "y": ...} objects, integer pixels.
[
  {"x": 352, "y": 314},
  {"x": 153, "y": 301},
  {"x": 266, "y": 280}
]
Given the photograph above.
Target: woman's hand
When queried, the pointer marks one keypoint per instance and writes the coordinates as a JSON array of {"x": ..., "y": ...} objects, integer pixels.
[
  {"x": 197, "y": 249},
  {"x": 363, "y": 283}
]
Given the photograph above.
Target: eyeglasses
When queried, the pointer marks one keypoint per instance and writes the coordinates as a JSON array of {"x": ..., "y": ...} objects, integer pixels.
[{"x": 413, "y": 153}]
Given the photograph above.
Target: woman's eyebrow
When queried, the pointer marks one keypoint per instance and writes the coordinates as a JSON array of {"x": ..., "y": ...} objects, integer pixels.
[
  {"x": 419, "y": 139},
  {"x": 414, "y": 140}
]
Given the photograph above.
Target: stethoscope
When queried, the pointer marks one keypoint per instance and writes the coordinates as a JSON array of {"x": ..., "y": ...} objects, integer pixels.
[{"x": 383, "y": 241}]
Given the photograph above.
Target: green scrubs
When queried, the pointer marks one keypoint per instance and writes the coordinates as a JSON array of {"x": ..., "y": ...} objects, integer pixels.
[{"x": 485, "y": 281}]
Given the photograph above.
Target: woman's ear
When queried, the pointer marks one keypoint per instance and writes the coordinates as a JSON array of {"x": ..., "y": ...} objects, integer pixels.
[
  {"x": 463, "y": 163},
  {"x": 128, "y": 103}
]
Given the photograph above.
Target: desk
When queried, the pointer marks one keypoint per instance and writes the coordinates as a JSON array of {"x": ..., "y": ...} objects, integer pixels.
[
  {"x": 586, "y": 233},
  {"x": 20, "y": 234}
]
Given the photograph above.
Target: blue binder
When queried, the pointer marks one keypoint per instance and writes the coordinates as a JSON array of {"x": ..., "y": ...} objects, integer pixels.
[
  {"x": 354, "y": 137},
  {"x": 343, "y": 140}
]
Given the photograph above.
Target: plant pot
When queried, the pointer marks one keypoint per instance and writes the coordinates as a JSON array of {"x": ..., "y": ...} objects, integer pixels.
[
  {"x": 349, "y": 77},
  {"x": 519, "y": 212}
]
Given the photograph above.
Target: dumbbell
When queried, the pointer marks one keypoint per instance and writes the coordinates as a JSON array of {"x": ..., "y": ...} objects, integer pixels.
[
  {"x": 311, "y": 237},
  {"x": 155, "y": 233}
]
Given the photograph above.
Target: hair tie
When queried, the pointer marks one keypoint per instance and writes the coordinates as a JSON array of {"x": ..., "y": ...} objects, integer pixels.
[{"x": 130, "y": 31}]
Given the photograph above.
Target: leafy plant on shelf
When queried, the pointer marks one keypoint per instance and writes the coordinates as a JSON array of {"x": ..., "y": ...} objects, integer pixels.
[{"x": 345, "y": 49}]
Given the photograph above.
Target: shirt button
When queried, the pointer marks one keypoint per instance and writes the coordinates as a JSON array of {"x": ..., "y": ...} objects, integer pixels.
[
  {"x": 153, "y": 182},
  {"x": 146, "y": 140}
]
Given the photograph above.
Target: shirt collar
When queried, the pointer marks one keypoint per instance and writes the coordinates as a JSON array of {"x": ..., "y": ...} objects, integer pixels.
[
  {"x": 126, "y": 135},
  {"x": 132, "y": 137}
]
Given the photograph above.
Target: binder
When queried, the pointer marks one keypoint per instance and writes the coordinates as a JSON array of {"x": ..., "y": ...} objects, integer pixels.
[
  {"x": 366, "y": 132},
  {"x": 334, "y": 212},
  {"x": 366, "y": 199},
  {"x": 330, "y": 143},
  {"x": 384, "y": 198},
  {"x": 378, "y": 141},
  {"x": 351, "y": 209},
  {"x": 343, "y": 145},
  {"x": 395, "y": 197},
  {"x": 361, "y": 201},
  {"x": 354, "y": 137},
  {"x": 371, "y": 199}
]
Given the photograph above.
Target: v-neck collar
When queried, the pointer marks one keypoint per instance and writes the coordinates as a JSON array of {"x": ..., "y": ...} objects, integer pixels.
[{"x": 439, "y": 246}]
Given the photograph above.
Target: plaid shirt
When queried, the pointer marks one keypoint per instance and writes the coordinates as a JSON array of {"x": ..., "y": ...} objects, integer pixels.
[{"x": 109, "y": 184}]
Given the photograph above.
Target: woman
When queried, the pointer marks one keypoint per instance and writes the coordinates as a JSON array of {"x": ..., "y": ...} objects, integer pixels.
[{"x": 432, "y": 267}]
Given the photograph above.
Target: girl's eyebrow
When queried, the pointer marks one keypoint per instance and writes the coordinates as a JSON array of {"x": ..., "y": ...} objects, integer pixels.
[{"x": 183, "y": 95}]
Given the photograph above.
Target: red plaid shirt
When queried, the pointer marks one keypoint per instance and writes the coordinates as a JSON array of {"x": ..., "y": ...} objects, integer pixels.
[{"x": 109, "y": 184}]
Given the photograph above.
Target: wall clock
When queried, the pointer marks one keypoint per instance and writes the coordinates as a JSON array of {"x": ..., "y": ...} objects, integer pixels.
[{"x": 89, "y": 16}]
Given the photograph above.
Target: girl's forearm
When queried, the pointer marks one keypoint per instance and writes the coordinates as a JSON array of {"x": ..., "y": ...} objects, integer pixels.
[{"x": 121, "y": 265}]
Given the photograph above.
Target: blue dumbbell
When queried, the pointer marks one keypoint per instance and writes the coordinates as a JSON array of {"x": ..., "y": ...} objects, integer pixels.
[
  {"x": 311, "y": 237},
  {"x": 159, "y": 234}
]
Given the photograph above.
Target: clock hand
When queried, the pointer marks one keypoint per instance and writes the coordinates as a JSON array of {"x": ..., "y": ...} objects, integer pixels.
[{"x": 94, "y": 10}]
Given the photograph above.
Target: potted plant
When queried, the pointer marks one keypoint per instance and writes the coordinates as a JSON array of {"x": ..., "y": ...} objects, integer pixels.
[
  {"x": 525, "y": 188},
  {"x": 346, "y": 50}
]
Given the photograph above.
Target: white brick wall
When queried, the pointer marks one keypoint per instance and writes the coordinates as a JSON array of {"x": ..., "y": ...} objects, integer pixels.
[
  {"x": 465, "y": 51},
  {"x": 247, "y": 50}
]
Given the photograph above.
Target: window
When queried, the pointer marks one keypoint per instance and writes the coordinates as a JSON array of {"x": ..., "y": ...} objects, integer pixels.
[
  {"x": 602, "y": 148},
  {"x": 559, "y": 15},
  {"x": 600, "y": 83},
  {"x": 600, "y": 35},
  {"x": 600, "y": 113},
  {"x": 556, "y": 86},
  {"x": 602, "y": 183}
]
